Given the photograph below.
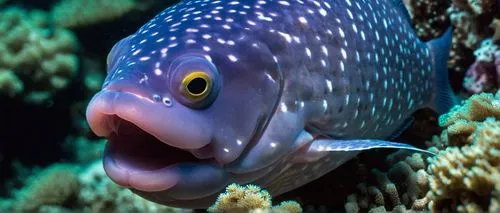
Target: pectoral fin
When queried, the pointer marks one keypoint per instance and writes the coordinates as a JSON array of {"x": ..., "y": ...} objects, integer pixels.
[
  {"x": 359, "y": 145},
  {"x": 321, "y": 147}
]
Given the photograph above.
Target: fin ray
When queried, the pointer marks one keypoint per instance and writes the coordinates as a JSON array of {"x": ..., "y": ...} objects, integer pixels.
[{"x": 329, "y": 145}]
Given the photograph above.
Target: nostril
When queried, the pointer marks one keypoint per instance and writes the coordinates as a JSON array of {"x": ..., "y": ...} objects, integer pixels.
[
  {"x": 167, "y": 102},
  {"x": 157, "y": 98}
]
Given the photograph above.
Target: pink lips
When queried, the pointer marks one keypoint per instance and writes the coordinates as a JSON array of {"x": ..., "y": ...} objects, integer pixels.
[
  {"x": 150, "y": 116},
  {"x": 148, "y": 181}
]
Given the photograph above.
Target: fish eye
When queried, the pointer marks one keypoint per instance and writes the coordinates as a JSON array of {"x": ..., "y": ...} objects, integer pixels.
[{"x": 197, "y": 86}]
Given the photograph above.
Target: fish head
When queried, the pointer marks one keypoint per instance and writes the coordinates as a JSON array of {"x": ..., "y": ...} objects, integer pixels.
[{"x": 176, "y": 114}]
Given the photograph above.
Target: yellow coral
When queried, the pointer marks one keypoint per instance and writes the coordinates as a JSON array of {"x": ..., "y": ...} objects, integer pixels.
[
  {"x": 77, "y": 13},
  {"x": 250, "y": 198},
  {"x": 462, "y": 120},
  {"x": 469, "y": 172}
]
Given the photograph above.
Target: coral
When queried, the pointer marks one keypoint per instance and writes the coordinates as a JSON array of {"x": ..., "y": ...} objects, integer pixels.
[
  {"x": 84, "y": 150},
  {"x": 484, "y": 75},
  {"x": 465, "y": 171},
  {"x": 77, "y": 13},
  {"x": 466, "y": 175},
  {"x": 37, "y": 59},
  {"x": 468, "y": 18},
  {"x": 463, "y": 119},
  {"x": 469, "y": 175},
  {"x": 403, "y": 187},
  {"x": 10, "y": 84},
  {"x": 70, "y": 188},
  {"x": 56, "y": 185},
  {"x": 429, "y": 17},
  {"x": 497, "y": 63},
  {"x": 495, "y": 25},
  {"x": 250, "y": 198}
]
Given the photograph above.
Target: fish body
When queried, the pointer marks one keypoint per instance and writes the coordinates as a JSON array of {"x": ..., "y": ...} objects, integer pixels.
[{"x": 271, "y": 92}]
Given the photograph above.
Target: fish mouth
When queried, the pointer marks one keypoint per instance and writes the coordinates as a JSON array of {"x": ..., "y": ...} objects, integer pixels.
[
  {"x": 147, "y": 153},
  {"x": 136, "y": 159}
]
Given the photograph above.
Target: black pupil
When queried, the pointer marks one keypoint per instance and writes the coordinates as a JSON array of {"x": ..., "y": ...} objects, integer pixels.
[{"x": 197, "y": 86}]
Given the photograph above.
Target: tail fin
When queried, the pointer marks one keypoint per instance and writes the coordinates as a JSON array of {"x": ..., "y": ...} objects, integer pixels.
[{"x": 444, "y": 98}]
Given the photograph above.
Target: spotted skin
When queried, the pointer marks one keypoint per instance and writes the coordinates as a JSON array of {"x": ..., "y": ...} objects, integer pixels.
[{"x": 347, "y": 70}]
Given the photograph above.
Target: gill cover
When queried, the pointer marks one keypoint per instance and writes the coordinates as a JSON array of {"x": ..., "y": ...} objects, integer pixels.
[{"x": 250, "y": 89}]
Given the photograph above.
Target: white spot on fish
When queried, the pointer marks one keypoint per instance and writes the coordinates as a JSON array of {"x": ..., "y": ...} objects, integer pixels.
[
  {"x": 303, "y": 20},
  {"x": 329, "y": 85},
  {"x": 284, "y": 108},
  {"x": 344, "y": 54},
  {"x": 232, "y": 58},
  {"x": 284, "y": 3}
]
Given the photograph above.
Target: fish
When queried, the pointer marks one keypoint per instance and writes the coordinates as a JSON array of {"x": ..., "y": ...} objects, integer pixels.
[{"x": 275, "y": 93}]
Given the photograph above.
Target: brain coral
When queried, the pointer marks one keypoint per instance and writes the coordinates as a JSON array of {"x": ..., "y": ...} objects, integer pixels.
[{"x": 36, "y": 61}]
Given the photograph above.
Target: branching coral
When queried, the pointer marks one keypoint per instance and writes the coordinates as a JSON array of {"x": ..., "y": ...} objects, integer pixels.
[
  {"x": 36, "y": 61},
  {"x": 469, "y": 18},
  {"x": 484, "y": 75},
  {"x": 402, "y": 188},
  {"x": 462, "y": 120},
  {"x": 54, "y": 186},
  {"x": 72, "y": 188},
  {"x": 429, "y": 17},
  {"x": 468, "y": 173},
  {"x": 250, "y": 198},
  {"x": 77, "y": 13}
]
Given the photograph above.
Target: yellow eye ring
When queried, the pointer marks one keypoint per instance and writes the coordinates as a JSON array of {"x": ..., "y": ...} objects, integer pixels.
[{"x": 197, "y": 85}]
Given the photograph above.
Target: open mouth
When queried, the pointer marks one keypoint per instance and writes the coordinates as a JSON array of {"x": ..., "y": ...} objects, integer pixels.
[
  {"x": 137, "y": 159},
  {"x": 150, "y": 153},
  {"x": 134, "y": 149}
]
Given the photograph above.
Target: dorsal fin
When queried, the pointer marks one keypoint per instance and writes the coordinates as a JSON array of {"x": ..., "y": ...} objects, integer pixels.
[{"x": 402, "y": 7}]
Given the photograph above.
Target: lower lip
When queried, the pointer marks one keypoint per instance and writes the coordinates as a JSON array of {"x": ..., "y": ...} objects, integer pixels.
[{"x": 148, "y": 181}]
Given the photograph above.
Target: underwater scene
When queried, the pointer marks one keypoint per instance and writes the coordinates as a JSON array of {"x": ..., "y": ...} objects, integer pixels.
[{"x": 249, "y": 106}]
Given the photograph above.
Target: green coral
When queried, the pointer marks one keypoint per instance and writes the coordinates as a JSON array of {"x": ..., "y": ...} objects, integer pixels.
[
  {"x": 36, "y": 60},
  {"x": 250, "y": 198},
  {"x": 75, "y": 188},
  {"x": 77, "y": 13},
  {"x": 56, "y": 185}
]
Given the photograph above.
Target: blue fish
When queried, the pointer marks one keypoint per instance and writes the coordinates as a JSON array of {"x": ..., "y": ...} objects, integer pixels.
[{"x": 271, "y": 92}]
